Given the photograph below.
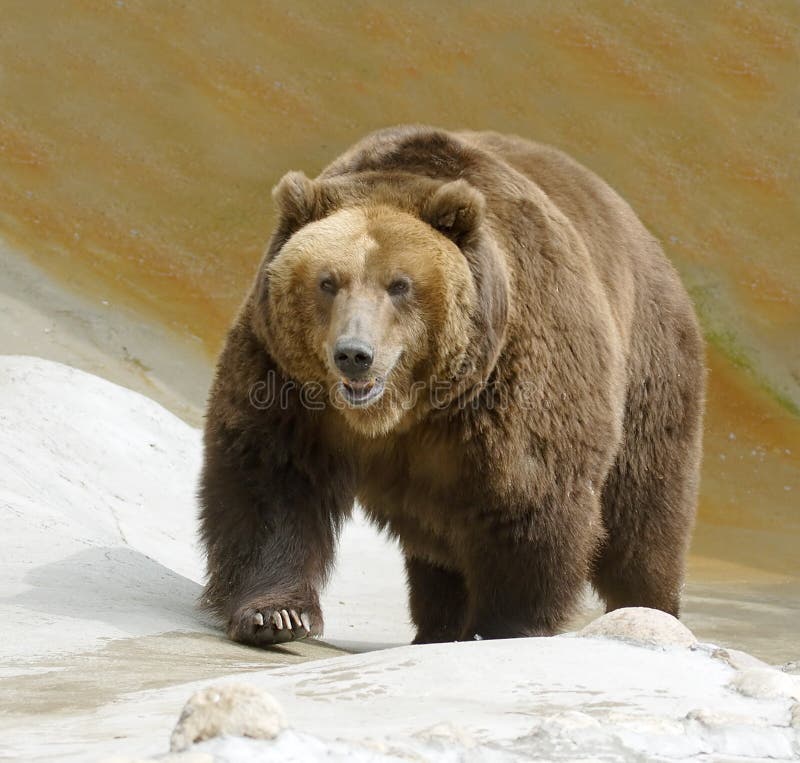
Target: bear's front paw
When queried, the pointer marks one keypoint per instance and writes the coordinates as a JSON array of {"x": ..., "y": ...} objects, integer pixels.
[{"x": 262, "y": 623}]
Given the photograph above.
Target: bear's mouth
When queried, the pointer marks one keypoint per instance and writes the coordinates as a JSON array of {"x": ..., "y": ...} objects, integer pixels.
[{"x": 361, "y": 393}]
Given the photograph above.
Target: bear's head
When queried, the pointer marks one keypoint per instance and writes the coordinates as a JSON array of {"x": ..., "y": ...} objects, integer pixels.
[{"x": 390, "y": 299}]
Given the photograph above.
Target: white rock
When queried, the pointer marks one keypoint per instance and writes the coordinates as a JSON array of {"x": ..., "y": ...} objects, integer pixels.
[
  {"x": 736, "y": 659},
  {"x": 792, "y": 667},
  {"x": 573, "y": 719},
  {"x": 766, "y": 683},
  {"x": 641, "y": 625},
  {"x": 227, "y": 710}
]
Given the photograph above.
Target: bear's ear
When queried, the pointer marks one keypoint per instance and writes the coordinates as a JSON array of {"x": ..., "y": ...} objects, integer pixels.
[
  {"x": 296, "y": 199},
  {"x": 456, "y": 209}
]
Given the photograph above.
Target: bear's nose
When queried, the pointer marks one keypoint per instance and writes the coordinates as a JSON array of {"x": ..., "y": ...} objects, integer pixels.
[{"x": 353, "y": 356}]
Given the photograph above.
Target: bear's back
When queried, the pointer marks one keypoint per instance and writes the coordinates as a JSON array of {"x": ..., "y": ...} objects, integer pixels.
[
  {"x": 625, "y": 257},
  {"x": 617, "y": 242}
]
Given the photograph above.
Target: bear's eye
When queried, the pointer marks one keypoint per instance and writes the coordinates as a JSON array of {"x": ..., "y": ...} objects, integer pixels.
[
  {"x": 399, "y": 287},
  {"x": 328, "y": 285}
]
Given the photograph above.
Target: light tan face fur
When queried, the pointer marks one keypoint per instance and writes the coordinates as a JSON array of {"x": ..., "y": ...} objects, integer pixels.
[{"x": 387, "y": 279}]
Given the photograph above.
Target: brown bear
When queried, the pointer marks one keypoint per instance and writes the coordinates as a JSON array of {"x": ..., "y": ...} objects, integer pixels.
[{"x": 476, "y": 338}]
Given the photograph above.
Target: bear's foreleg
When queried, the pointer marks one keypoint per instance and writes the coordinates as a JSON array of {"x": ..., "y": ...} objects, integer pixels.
[{"x": 270, "y": 532}]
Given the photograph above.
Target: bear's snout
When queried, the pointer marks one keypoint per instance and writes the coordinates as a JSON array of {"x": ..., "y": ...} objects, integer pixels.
[{"x": 353, "y": 356}]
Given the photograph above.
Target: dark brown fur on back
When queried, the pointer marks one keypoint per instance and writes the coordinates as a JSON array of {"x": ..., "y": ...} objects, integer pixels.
[{"x": 567, "y": 445}]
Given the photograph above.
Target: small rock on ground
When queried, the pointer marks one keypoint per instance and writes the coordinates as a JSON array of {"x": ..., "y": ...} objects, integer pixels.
[
  {"x": 227, "y": 710},
  {"x": 640, "y": 625}
]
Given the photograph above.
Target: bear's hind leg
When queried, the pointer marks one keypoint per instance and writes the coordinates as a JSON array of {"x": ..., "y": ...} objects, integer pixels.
[
  {"x": 641, "y": 563},
  {"x": 527, "y": 580},
  {"x": 649, "y": 498},
  {"x": 438, "y": 600}
]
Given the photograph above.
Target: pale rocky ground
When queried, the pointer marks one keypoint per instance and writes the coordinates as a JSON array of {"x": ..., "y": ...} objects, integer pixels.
[
  {"x": 101, "y": 646},
  {"x": 100, "y": 568}
]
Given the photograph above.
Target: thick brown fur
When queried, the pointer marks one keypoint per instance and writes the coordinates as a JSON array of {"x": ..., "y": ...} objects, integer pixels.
[{"x": 547, "y": 377}]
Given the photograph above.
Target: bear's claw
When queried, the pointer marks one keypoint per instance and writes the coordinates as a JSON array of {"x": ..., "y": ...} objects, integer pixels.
[
  {"x": 266, "y": 622},
  {"x": 275, "y": 626},
  {"x": 284, "y": 620}
]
